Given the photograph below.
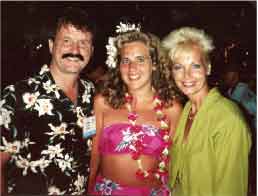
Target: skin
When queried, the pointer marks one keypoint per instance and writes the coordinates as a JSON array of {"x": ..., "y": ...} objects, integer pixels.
[
  {"x": 136, "y": 74},
  {"x": 72, "y": 41},
  {"x": 190, "y": 74},
  {"x": 66, "y": 70}
]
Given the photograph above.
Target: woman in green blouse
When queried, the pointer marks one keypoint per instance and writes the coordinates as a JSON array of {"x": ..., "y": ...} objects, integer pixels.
[{"x": 212, "y": 140}]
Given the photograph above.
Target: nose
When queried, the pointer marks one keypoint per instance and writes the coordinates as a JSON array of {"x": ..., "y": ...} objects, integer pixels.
[
  {"x": 75, "y": 48},
  {"x": 132, "y": 65},
  {"x": 187, "y": 73}
]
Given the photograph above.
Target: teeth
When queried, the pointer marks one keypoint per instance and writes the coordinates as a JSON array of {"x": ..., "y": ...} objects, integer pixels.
[
  {"x": 188, "y": 84},
  {"x": 73, "y": 58},
  {"x": 133, "y": 77}
]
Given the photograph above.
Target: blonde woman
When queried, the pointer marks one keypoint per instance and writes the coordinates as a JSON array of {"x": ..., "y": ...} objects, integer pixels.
[{"x": 212, "y": 141}]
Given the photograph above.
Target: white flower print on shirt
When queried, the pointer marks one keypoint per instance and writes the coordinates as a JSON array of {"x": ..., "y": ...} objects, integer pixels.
[
  {"x": 86, "y": 97},
  {"x": 44, "y": 106},
  {"x": 44, "y": 69},
  {"x": 53, "y": 190},
  {"x": 33, "y": 80},
  {"x": 49, "y": 87},
  {"x": 5, "y": 116},
  {"x": 79, "y": 185},
  {"x": 30, "y": 99},
  {"x": 42, "y": 163},
  {"x": 80, "y": 116},
  {"x": 12, "y": 148},
  {"x": 23, "y": 163},
  {"x": 58, "y": 131},
  {"x": 54, "y": 151},
  {"x": 65, "y": 163}
]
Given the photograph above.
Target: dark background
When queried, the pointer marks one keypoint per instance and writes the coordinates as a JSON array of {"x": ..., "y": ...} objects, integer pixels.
[{"x": 231, "y": 24}]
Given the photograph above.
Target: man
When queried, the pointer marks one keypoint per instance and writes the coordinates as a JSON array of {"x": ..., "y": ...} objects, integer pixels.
[
  {"x": 239, "y": 91},
  {"x": 42, "y": 145}
]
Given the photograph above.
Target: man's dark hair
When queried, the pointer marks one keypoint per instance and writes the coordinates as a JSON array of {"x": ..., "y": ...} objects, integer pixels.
[{"x": 76, "y": 17}]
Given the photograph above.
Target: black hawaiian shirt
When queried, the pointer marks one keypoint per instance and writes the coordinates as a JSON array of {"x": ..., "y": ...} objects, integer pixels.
[{"x": 43, "y": 131}]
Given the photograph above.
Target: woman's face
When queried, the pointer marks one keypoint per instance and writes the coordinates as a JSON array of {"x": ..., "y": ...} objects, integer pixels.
[
  {"x": 136, "y": 65},
  {"x": 189, "y": 71}
]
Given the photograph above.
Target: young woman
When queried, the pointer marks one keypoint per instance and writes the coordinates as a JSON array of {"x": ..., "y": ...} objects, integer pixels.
[{"x": 136, "y": 113}]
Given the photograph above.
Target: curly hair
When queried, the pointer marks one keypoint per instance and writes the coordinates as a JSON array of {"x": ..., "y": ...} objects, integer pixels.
[
  {"x": 114, "y": 88},
  {"x": 185, "y": 36}
]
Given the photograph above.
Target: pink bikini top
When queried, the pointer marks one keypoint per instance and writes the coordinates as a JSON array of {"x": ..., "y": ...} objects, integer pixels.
[{"x": 119, "y": 138}]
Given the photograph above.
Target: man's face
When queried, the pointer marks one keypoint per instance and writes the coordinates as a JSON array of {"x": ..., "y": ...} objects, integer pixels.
[{"x": 71, "y": 50}]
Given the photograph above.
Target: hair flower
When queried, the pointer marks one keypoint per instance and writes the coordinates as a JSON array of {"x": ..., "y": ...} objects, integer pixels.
[
  {"x": 111, "y": 52},
  {"x": 111, "y": 61},
  {"x": 123, "y": 28}
]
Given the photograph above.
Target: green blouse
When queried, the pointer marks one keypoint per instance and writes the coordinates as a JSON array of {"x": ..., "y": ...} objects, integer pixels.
[{"x": 214, "y": 160}]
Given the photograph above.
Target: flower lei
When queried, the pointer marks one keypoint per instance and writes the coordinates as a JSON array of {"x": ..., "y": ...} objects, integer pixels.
[
  {"x": 160, "y": 172},
  {"x": 111, "y": 46}
]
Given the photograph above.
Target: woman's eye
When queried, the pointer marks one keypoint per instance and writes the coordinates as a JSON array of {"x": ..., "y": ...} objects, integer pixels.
[
  {"x": 124, "y": 61},
  {"x": 196, "y": 66},
  {"x": 176, "y": 67},
  {"x": 140, "y": 59}
]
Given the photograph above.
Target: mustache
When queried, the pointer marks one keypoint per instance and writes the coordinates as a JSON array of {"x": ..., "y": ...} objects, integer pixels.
[{"x": 79, "y": 56}]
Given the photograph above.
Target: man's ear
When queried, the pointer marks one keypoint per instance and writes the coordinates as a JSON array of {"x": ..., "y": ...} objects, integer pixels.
[{"x": 50, "y": 45}]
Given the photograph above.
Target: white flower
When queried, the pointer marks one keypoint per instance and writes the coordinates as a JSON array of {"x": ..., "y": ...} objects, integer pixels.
[
  {"x": 10, "y": 88},
  {"x": 23, "y": 163},
  {"x": 49, "y": 87},
  {"x": 80, "y": 121},
  {"x": 53, "y": 151},
  {"x": 53, "y": 190},
  {"x": 123, "y": 28},
  {"x": 44, "y": 106},
  {"x": 33, "y": 80},
  {"x": 12, "y": 148},
  {"x": 86, "y": 97},
  {"x": 44, "y": 69},
  {"x": 111, "y": 53},
  {"x": 79, "y": 185},
  {"x": 65, "y": 163},
  {"x": 59, "y": 130},
  {"x": 5, "y": 117},
  {"x": 41, "y": 163},
  {"x": 165, "y": 151},
  {"x": 30, "y": 99},
  {"x": 26, "y": 142}
]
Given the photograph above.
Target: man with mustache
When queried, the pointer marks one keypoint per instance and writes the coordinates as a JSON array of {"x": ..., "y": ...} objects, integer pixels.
[{"x": 42, "y": 146}]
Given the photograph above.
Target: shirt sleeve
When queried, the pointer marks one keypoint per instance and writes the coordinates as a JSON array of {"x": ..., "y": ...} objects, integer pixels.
[
  {"x": 232, "y": 150},
  {"x": 9, "y": 133}
]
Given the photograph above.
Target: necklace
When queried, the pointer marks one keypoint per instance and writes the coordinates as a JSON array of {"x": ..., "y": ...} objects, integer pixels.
[{"x": 160, "y": 172}]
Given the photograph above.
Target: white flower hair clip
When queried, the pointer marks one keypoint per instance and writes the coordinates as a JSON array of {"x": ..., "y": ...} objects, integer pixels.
[
  {"x": 111, "y": 47},
  {"x": 123, "y": 28},
  {"x": 111, "y": 53}
]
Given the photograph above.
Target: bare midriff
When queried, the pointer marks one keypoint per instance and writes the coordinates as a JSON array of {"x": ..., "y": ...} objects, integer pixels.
[{"x": 122, "y": 169}]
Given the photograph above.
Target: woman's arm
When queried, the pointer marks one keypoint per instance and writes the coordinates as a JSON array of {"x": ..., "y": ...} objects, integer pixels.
[{"x": 95, "y": 155}]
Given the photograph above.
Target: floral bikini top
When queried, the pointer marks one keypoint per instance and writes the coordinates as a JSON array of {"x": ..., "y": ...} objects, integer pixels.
[{"x": 120, "y": 138}]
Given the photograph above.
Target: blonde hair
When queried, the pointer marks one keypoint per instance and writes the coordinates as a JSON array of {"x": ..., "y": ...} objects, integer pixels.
[{"x": 185, "y": 36}]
